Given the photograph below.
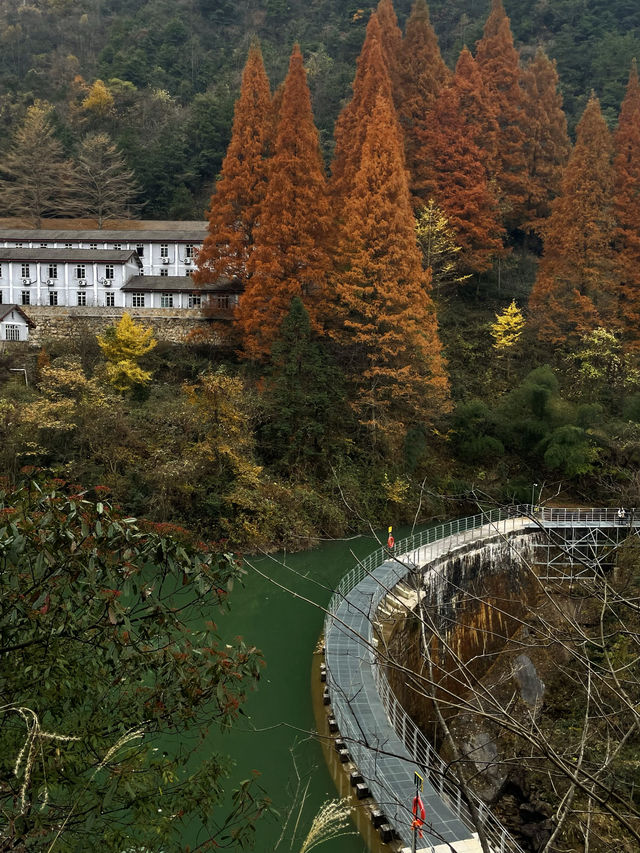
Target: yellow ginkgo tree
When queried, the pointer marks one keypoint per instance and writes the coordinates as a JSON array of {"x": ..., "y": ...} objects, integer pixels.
[
  {"x": 123, "y": 345},
  {"x": 506, "y": 331}
]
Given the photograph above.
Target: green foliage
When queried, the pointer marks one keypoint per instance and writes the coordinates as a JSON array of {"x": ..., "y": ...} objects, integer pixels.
[
  {"x": 303, "y": 401},
  {"x": 111, "y": 674}
]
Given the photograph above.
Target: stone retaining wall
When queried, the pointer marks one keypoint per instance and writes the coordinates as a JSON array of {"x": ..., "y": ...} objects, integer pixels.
[{"x": 62, "y": 323}]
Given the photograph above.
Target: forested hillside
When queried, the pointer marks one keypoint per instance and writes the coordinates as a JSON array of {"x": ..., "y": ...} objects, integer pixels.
[{"x": 171, "y": 70}]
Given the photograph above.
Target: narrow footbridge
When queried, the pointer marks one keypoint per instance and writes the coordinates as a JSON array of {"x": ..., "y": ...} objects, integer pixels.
[{"x": 383, "y": 742}]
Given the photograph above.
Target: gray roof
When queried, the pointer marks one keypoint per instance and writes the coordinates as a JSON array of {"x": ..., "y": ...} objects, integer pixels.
[
  {"x": 5, "y": 310},
  {"x": 180, "y": 284},
  {"x": 181, "y": 232},
  {"x": 100, "y": 256}
]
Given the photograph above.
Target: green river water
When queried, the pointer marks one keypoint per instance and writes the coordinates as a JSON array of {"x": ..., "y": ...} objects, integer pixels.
[{"x": 280, "y": 712}]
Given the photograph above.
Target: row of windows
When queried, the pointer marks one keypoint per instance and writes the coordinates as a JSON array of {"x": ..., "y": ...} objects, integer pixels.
[
  {"x": 137, "y": 299},
  {"x": 189, "y": 250},
  {"x": 52, "y": 271}
]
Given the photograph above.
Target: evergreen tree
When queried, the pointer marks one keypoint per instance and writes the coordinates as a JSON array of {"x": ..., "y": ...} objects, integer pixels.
[
  {"x": 498, "y": 61},
  {"x": 35, "y": 179},
  {"x": 546, "y": 140},
  {"x": 627, "y": 209},
  {"x": 452, "y": 172},
  {"x": 423, "y": 73},
  {"x": 290, "y": 255},
  {"x": 388, "y": 329},
  {"x": 105, "y": 186},
  {"x": 236, "y": 201},
  {"x": 371, "y": 79},
  {"x": 575, "y": 289},
  {"x": 302, "y": 399}
]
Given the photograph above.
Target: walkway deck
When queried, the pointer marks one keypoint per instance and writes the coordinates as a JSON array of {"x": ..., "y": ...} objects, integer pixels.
[{"x": 384, "y": 743}]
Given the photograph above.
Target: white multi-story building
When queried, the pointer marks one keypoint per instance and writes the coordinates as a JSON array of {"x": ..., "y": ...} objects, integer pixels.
[{"x": 135, "y": 265}]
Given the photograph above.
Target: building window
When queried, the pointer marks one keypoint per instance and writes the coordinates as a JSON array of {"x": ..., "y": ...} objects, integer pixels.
[
  {"x": 140, "y": 251},
  {"x": 53, "y": 271},
  {"x": 117, "y": 247},
  {"x": 53, "y": 297},
  {"x": 43, "y": 245},
  {"x": 0, "y": 297},
  {"x": 195, "y": 301},
  {"x": 166, "y": 300},
  {"x": 13, "y": 332},
  {"x": 93, "y": 245},
  {"x": 164, "y": 250},
  {"x": 18, "y": 245},
  {"x": 68, "y": 245},
  {"x": 26, "y": 297},
  {"x": 108, "y": 271},
  {"x": 189, "y": 251},
  {"x": 110, "y": 300},
  {"x": 0, "y": 270},
  {"x": 82, "y": 297},
  {"x": 81, "y": 271},
  {"x": 187, "y": 273},
  {"x": 26, "y": 271},
  {"x": 164, "y": 272},
  {"x": 137, "y": 300}
]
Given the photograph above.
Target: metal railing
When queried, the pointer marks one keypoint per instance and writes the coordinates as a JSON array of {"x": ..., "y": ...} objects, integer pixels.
[{"x": 416, "y": 552}]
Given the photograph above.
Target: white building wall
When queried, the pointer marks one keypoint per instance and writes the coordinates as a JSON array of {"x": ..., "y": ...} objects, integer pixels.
[{"x": 13, "y": 324}]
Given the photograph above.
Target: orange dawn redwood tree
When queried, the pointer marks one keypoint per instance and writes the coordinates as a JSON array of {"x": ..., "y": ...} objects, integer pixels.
[
  {"x": 391, "y": 42},
  {"x": 238, "y": 195},
  {"x": 453, "y": 174},
  {"x": 387, "y": 323},
  {"x": 423, "y": 73},
  {"x": 290, "y": 256},
  {"x": 478, "y": 109},
  {"x": 575, "y": 289},
  {"x": 498, "y": 61},
  {"x": 546, "y": 143},
  {"x": 372, "y": 78},
  {"x": 627, "y": 209}
]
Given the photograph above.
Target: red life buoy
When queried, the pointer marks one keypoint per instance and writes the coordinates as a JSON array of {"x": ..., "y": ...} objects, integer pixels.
[
  {"x": 390, "y": 541},
  {"x": 418, "y": 814}
]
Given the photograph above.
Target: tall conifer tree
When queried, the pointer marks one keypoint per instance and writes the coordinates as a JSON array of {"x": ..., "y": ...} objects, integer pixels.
[
  {"x": 546, "y": 138},
  {"x": 451, "y": 171},
  {"x": 423, "y": 73},
  {"x": 388, "y": 324},
  {"x": 238, "y": 195},
  {"x": 391, "y": 41},
  {"x": 290, "y": 256},
  {"x": 478, "y": 107},
  {"x": 498, "y": 61},
  {"x": 575, "y": 289},
  {"x": 627, "y": 209},
  {"x": 372, "y": 78}
]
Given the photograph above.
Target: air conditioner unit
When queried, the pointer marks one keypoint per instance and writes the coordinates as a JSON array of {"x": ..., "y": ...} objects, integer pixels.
[
  {"x": 25, "y": 282},
  {"x": 107, "y": 282},
  {"x": 165, "y": 261},
  {"x": 50, "y": 282},
  {"x": 82, "y": 282},
  {"x": 187, "y": 261}
]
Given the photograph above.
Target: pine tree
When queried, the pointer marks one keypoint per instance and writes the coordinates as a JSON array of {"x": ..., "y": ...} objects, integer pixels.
[
  {"x": 575, "y": 289},
  {"x": 388, "y": 329},
  {"x": 371, "y": 79},
  {"x": 478, "y": 107},
  {"x": 423, "y": 73},
  {"x": 290, "y": 256},
  {"x": 627, "y": 209},
  {"x": 303, "y": 399},
  {"x": 546, "y": 140},
  {"x": 498, "y": 61},
  {"x": 105, "y": 186},
  {"x": 391, "y": 42},
  {"x": 35, "y": 179},
  {"x": 236, "y": 201},
  {"x": 451, "y": 171}
]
